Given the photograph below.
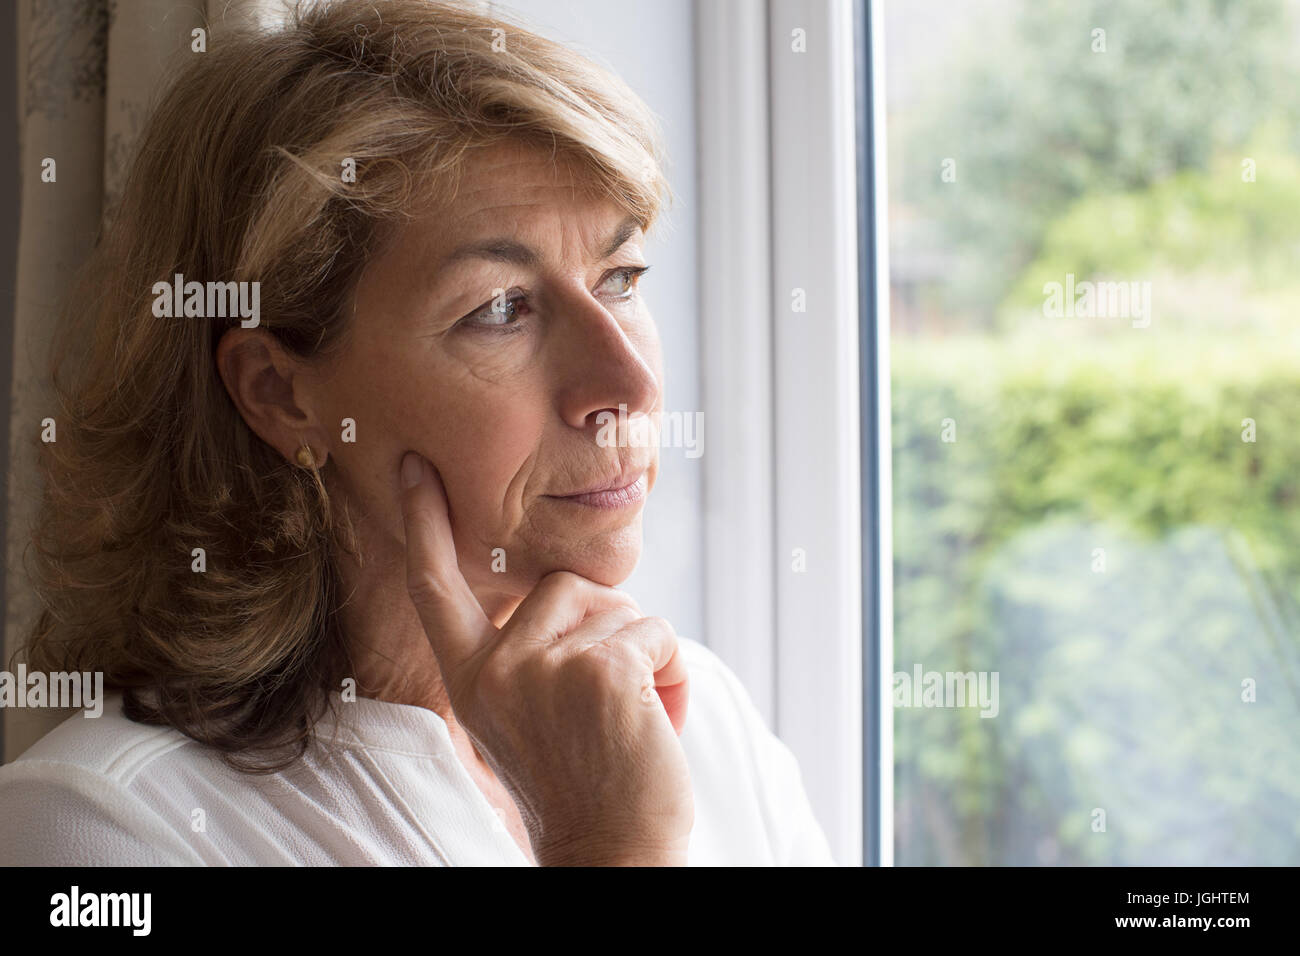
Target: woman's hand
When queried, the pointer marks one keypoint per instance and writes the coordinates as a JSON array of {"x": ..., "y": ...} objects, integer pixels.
[{"x": 561, "y": 701}]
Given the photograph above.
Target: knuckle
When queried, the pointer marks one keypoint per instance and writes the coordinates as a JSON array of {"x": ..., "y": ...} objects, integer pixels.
[
  {"x": 626, "y": 600},
  {"x": 413, "y": 506},
  {"x": 659, "y": 626},
  {"x": 619, "y": 618},
  {"x": 602, "y": 664},
  {"x": 424, "y": 587},
  {"x": 567, "y": 582},
  {"x": 561, "y": 581}
]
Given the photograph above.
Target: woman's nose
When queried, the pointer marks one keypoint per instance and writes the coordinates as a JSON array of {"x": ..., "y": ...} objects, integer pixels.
[{"x": 604, "y": 362}]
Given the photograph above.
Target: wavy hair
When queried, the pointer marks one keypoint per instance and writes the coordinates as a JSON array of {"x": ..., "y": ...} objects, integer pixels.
[{"x": 238, "y": 177}]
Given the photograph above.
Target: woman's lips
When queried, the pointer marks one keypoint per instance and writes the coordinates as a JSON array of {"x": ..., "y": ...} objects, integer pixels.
[{"x": 628, "y": 493}]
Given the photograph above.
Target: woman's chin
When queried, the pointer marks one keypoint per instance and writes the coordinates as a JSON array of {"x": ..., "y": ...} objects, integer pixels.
[
  {"x": 505, "y": 575},
  {"x": 609, "y": 573},
  {"x": 608, "y": 558},
  {"x": 608, "y": 563}
]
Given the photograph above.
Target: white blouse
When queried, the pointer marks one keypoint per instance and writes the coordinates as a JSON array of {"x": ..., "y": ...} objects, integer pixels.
[{"x": 381, "y": 787}]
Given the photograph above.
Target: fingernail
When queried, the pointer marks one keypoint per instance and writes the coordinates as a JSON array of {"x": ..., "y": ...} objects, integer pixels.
[{"x": 412, "y": 470}]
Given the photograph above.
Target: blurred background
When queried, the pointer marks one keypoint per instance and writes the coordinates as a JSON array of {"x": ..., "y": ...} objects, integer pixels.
[{"x": 1114, "y": 528}]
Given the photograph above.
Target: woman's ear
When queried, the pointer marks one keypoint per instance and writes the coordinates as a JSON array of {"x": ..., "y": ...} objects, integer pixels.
[{"x": 271, "y": 389}]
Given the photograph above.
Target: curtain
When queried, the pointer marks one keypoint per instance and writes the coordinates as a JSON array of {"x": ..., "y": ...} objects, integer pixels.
[{"x": 88, "y": 71}]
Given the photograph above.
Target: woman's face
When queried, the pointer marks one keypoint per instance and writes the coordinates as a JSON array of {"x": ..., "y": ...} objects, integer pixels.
[{"x": 506, "y": 402}]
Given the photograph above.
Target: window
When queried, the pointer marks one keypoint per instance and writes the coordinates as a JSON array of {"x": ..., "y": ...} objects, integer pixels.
[{"x": 1094, "y": 371}]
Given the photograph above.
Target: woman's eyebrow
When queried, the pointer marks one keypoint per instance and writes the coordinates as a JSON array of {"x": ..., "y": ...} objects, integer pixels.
[
  {"x": 626, "y": 229},
  {"x": 513, "y": 252}
]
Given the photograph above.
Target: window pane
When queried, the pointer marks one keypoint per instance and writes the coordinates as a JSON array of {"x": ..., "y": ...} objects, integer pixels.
[{"x": 1095, "y": 367}]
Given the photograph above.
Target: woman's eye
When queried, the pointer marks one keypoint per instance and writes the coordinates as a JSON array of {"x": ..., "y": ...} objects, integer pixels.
[
  {"x": 509, "y": 309},
  {"x": 502, "y": 310},
  {"x": 622, "y": 283}
]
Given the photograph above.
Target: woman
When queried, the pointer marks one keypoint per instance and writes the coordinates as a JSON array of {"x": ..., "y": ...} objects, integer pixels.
[{"x": 345, "y": 535}]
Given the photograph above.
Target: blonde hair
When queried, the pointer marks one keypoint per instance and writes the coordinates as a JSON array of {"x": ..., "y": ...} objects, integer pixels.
[{"x": 237, "y": 177}]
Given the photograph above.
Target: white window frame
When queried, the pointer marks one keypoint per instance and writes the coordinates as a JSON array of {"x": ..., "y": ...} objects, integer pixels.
[{"x": 778, "y": 211}]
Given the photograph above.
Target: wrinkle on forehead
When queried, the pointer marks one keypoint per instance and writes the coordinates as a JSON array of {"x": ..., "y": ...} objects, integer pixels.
[
  {"x": 514, "y": 172},
  {"x": 511, "y": 164}
]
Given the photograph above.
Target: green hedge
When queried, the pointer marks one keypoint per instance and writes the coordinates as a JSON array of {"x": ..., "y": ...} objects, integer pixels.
[{"x": 1120, "y": 689}]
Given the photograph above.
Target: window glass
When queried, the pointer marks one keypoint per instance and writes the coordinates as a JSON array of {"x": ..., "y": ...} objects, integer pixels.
[{"x": 1094, "y": 255}]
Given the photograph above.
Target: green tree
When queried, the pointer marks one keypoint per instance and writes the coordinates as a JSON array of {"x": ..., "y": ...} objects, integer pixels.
[{"x": 1040, "y": 114}]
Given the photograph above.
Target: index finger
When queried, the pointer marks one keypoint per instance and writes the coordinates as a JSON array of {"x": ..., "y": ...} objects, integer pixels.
[{"x": 452, "y": 617}]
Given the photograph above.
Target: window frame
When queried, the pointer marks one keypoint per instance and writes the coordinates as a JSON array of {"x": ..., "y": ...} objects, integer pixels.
[{"x": 780, "y": 210}]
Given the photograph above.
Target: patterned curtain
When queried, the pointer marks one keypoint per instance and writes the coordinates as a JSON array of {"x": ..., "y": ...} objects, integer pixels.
[{"x": 87, "y": 74}]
